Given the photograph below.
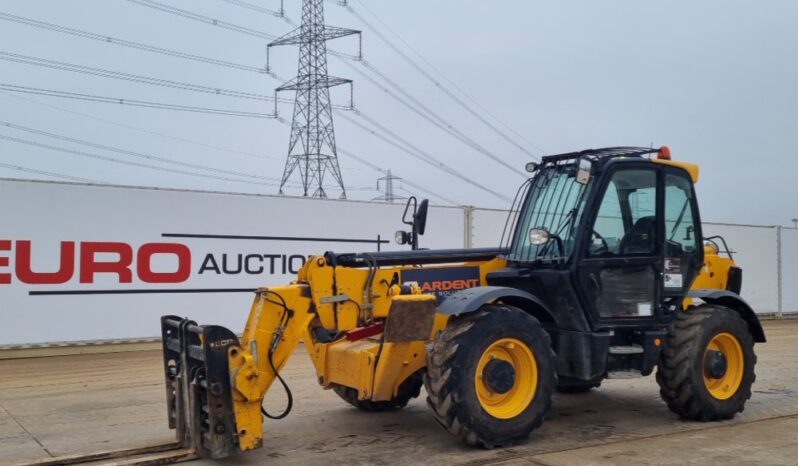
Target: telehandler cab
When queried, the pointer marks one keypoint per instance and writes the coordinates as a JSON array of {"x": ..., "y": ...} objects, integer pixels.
[{"x": 602, "y": 272}]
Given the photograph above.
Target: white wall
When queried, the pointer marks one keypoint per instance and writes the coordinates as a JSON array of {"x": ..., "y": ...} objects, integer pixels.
[
  {"x": 487, "y": 226},
  {"x": 789, "y": 268},
  {"x": 49, "y": 213},
  {"x": 756, "y": 252}
]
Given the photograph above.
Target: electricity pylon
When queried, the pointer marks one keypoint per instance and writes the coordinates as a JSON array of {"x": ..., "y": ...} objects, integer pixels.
[
  {"x": 311, "y": 147},
  {"x": 388, "y": 194}
]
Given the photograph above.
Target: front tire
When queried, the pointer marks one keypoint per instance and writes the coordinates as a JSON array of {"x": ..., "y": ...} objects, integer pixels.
[
  {"x": 491, "y": 375},
  {"x": 706, "y": 368}
]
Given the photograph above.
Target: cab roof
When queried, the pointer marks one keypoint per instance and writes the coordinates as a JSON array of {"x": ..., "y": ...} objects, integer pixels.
[{"x": 663, "y": 156}]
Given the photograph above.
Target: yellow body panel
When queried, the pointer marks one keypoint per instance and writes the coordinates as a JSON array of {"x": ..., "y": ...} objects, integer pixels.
[
  {"x": 714, "y": 274},
  {"x": 350, "y": 363},
  {"x": 691, "y": 168},
  {"x": 396, "y": 363},
  {"x": 251, "y": 374},
  {"x": 715, "y": 271},
  {"x": 374, "y": 368}
]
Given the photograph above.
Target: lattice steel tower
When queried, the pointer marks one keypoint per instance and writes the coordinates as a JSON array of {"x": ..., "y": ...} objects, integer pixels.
[
  {"x": 388, "y": 185},
  {"x": 311, "y": 147}
]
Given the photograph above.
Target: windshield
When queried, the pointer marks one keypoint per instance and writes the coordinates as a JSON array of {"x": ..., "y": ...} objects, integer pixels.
[{"x": 554, "y": 202}]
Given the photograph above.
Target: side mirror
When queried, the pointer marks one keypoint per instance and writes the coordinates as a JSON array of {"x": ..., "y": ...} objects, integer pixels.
[
  {"x": 417, "y": 222},
  {"x": 583, "y": 171},
  {"x": 420, "y": 217}
]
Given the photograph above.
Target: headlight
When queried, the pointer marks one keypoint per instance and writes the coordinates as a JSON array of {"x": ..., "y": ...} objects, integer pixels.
[
  {"x": 538, "y": 236},
  {"x": 401, "y": 237}
]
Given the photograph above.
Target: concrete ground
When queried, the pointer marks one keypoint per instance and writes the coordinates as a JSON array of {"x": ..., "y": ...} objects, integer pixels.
[{"x": 79, "y": 404}]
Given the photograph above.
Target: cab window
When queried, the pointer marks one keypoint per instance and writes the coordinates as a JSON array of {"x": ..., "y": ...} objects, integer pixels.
[
  {"x": 626, "y": 221},
  {"x": 680, "y": 231}
]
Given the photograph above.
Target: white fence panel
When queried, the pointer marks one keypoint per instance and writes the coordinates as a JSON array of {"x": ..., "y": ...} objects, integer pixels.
[
  {"x": 85, "y": 262},
  {"x": 486, "y": 227},
  {"x": 115, "y": 283},
  {"x": 789, "y": 270},
  {"x": 755, "y": 250}
]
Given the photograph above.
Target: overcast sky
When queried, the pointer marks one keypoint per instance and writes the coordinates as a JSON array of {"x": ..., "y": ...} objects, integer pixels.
[{"x": 716, "y": 81}]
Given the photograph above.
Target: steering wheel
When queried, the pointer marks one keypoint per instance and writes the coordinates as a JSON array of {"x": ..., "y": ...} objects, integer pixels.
[{"x": 602, "y": 249}]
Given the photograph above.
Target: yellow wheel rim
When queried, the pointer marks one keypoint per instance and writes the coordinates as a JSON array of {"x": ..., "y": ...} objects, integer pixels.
[
  {"x": 514, "y": 401},
  {"x": 725, "y": 386}
]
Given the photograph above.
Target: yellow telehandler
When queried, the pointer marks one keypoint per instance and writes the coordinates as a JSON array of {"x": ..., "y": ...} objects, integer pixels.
[{"x": 602, "y": 272}]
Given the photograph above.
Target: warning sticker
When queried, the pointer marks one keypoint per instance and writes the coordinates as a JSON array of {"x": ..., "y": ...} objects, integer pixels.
[{"x": 673, "y": 280}]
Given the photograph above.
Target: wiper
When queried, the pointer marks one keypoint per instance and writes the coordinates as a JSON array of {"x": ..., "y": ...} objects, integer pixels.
[{"x": 560, "y": 246}]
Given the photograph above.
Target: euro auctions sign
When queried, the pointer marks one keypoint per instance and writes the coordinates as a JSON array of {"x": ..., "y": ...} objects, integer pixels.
[
  {"x": 90, "y": 262},
  {"x": 85, "y": 261}
]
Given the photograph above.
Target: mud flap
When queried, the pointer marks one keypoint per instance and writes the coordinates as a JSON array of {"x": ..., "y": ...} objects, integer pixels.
[{"x": 198, "y": 396}]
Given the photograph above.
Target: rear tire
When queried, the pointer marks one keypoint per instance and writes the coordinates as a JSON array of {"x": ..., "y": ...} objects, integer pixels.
[
  {"x": 409, "y": 389},
  {"x": 693, "y": 384},
  {"x": 504, "y": 401}
]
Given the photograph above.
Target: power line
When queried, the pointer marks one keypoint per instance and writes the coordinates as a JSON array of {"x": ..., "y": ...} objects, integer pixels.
[
  {"x": 147, "y": 80},
  {"x": 46, "y": 173},
  {"x": 131, "y": 153},
  {"x": 382, "y": 170},
  {"x": 436, "y": 82},
  {"x": 440, "y": 123},
  {"x": 155, "y": 133},
  {"x": 63, "y": 66},
  {"x": 223, "y": 24},
  {"x": 417, "y": 153},
  {"x": 203, "y": 19},
  {"x": 146, "y": 131},
  {"x": 103, "y": 73},
  {"x": 124, "y": 162},
  {"x": 258, "y": 8},
  {"x": 280, "y": 14},
  {"x": 425, "y": 112},
  {"x": 132, "y": 102},
  {"x": 127, "y": 43},
  {"x": 447, "y": 168},
  {"x": 430, "y": 115},
  {"x": 406, "y": 181}
]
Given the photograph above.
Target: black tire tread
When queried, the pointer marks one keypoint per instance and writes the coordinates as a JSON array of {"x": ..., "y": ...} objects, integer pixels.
[
  {"x": 674, "y": 372},
  {"x": 441, "y": 390}
]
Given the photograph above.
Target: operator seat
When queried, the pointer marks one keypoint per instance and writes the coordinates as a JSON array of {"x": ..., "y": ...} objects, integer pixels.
[{"x": 640, "y": 239}]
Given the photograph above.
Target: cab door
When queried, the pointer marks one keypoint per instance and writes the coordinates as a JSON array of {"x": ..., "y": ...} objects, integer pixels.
[
  {"x": 620, "y": 269},
  {"x": 683, "y": 240}
]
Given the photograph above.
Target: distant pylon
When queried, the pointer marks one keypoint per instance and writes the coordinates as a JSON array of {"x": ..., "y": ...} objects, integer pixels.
[
  {"x": 311, "y": 147},
  {"x": 388, "y": 195}
]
